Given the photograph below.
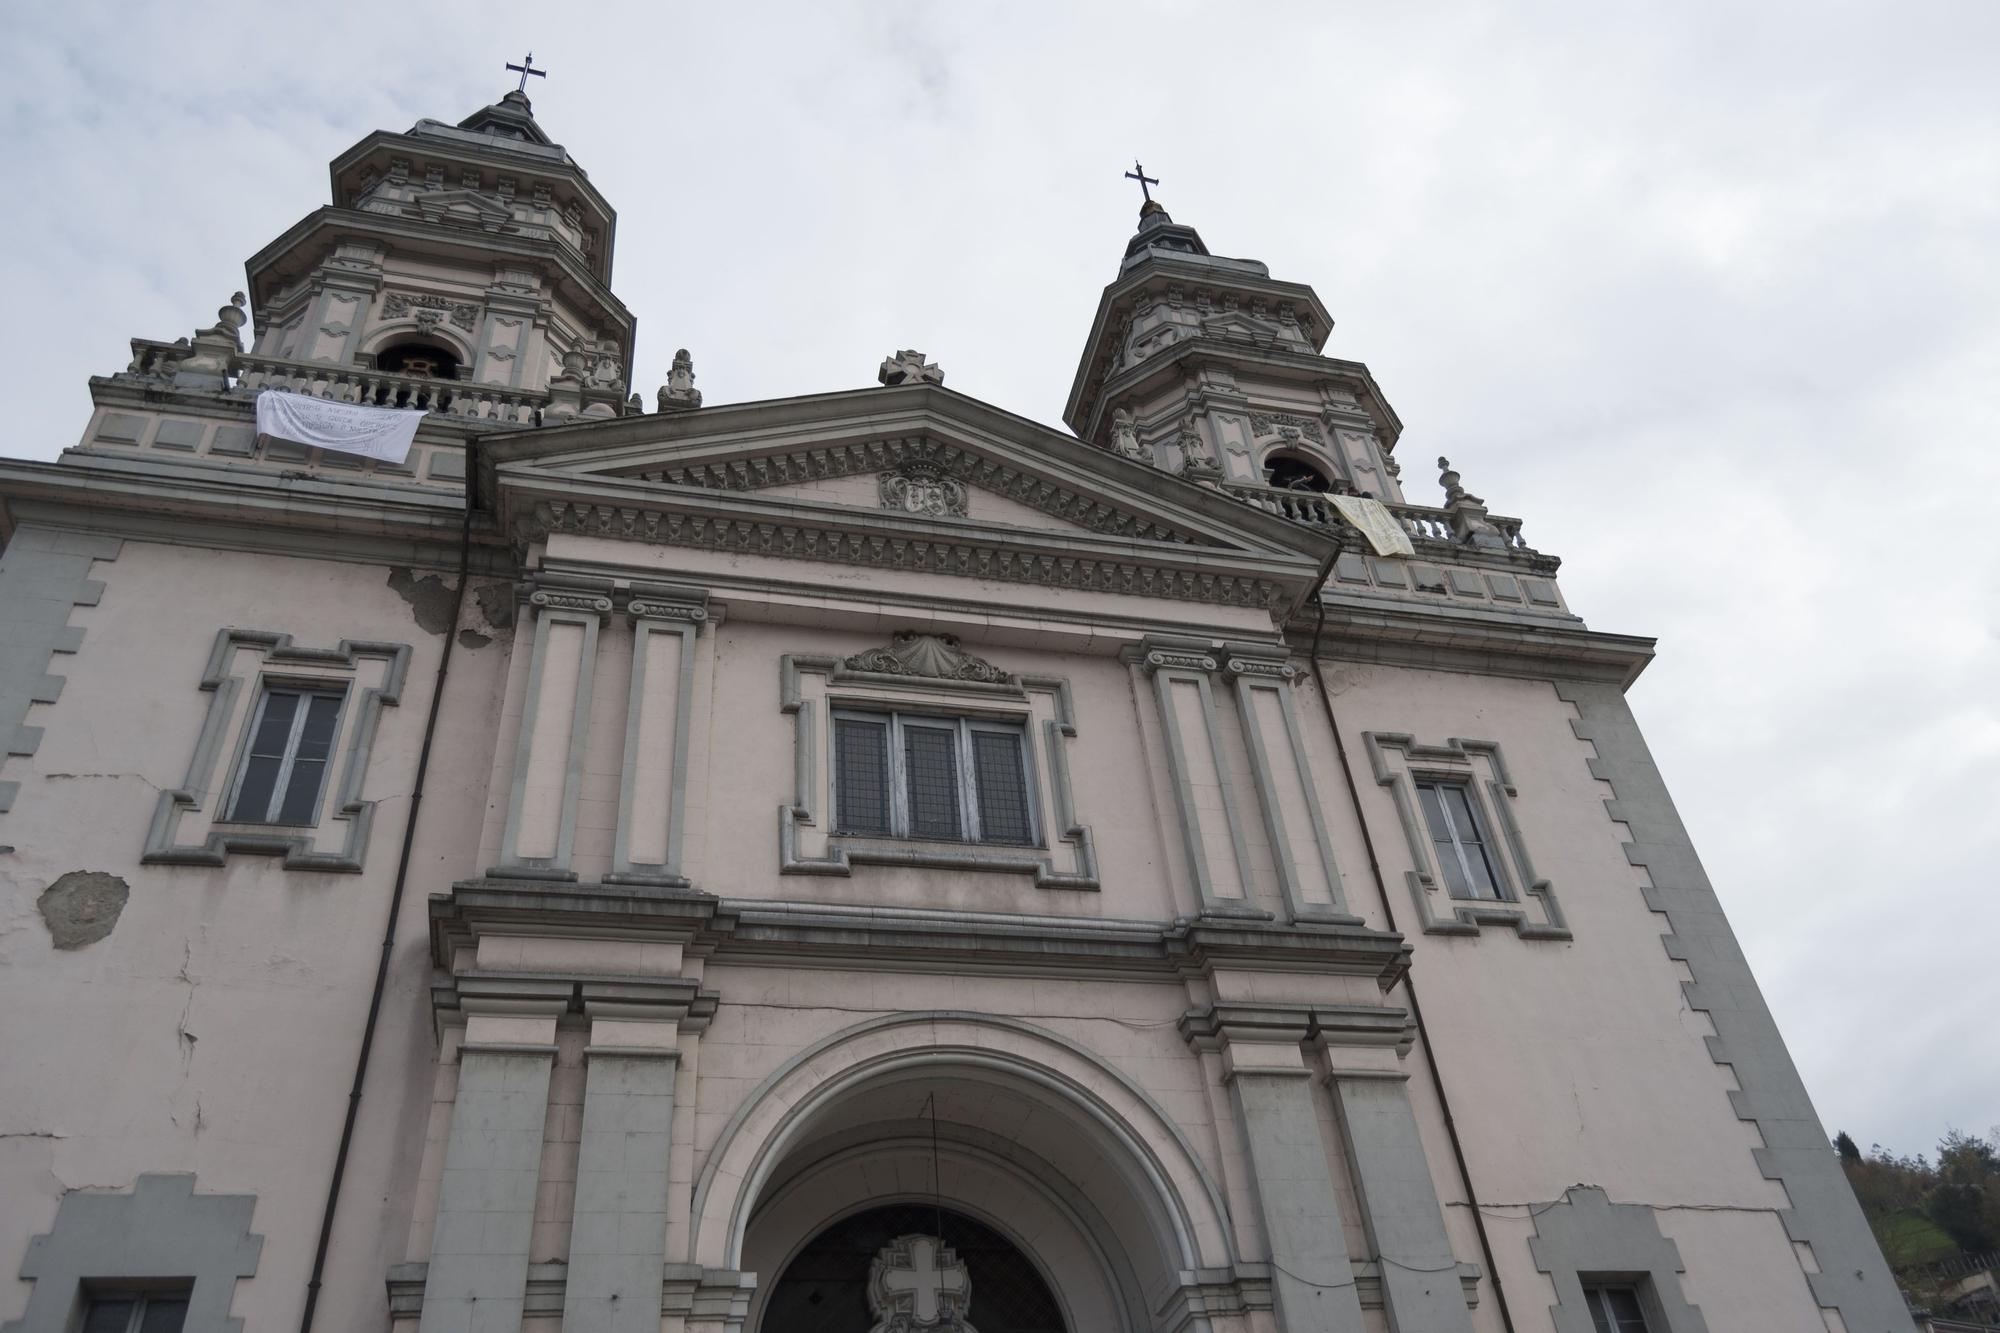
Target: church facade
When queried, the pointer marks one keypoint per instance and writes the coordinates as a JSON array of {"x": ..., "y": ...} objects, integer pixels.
[{"x": 859, "y": 862}]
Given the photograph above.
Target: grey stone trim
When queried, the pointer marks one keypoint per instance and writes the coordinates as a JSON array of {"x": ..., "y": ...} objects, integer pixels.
[
  {"x": 224, "y": 695},
  {"x": 1852, "y": 1276},
  {"x": 1080, "y": 1098},
  {"x": 1585, "y": 1237},
  {"x": 1420, "y": 1277},
  {"x": 842, "y": 856},
  {"x": 556, "y": 601},
  {"x": 477, "y": 1281},
  {"x": 1250, "y": 671},
  {"x": 161, "y": 1230},
  {"x": 686, "y": 1290},
  {"x": 1312, "y": 1275},
  {"x": 44, "y": 574},
  {"x": 1514, "y": 867},
  {"x": 618, "y": 1232},
  {"x": 1480, "y": 640},
  {"x": 1168, "y": 662},
  {"x": 658, "y": 613},
  {"x": 629, "y": 510}
]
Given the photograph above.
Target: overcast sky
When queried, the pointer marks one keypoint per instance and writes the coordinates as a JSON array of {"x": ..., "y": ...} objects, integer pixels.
[{"x": 1708, "y": 294}]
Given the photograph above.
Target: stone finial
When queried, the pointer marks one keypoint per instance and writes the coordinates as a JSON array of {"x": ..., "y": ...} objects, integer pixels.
[
  {"x": 909, "y": 367},
  {"x": 1468, "y": 512},
  {"x": 678, "y": 394},
  {"x": 1453, "y": 492},
  {"x": 233, "y": 316},
  {"x": 1125, "y": 434}
]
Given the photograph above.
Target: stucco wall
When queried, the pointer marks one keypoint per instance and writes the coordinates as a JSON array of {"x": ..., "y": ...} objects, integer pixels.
[{"x": 213, "y": 1031}]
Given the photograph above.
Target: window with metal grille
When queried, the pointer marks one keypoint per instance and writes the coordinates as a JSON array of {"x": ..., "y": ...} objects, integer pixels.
[
  {"x": 950, "y": 779},
  {"x": 1615, "y": 1309},
  {"x": 1460, "y": 839},
  {"x": 284, "y": 766},
  {"x": 135, "y": 1313}
]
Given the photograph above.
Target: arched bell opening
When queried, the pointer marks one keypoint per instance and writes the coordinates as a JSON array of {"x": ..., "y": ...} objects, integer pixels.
[
  {"x": 416, "y": 359},
  {"x": 1291, "y": 472}
]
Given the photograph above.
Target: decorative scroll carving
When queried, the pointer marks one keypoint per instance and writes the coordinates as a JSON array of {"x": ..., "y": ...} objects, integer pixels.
[
  {"x": 918, "y": 487},
  {"x": 1160, "y": 659},
  {"x": 930, "y": 656},
  {"x": 571, "y": 601},
  {"x": 1292, "y": 428},
  {"x": 398, "y": 304}
]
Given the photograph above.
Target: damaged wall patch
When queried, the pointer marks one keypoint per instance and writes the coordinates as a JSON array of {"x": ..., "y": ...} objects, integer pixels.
[{"x": 82, "y": 906}]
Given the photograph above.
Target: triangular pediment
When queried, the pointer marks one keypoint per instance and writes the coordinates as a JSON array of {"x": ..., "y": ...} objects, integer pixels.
[
  {"x": 885, "y": 472},
  {"x": 1240, "y": 327}
]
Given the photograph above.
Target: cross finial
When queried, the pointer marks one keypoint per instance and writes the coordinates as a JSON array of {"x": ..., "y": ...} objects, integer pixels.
[
  {"x": 527, "y": 68},
  {"x": 1138, "y": 173}
]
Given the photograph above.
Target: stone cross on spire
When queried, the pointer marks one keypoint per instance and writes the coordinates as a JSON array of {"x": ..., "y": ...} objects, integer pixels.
[
  {"x": 1137, "y": 173},
  {"x": 527, "y": 69}
]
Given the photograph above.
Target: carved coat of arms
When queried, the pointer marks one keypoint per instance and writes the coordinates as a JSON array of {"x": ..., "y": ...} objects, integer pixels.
[
  {"x": 918, "y": 488},
  {"x": 917, "y": 1284}
]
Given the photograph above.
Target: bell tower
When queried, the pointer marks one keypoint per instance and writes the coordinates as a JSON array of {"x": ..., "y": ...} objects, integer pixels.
[
  {"x": 1211, "y": 368},
  {"x": 477, "y": 252}
]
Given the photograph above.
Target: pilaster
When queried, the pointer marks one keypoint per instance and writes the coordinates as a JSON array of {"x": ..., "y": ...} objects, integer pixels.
[
  {"x": 555, "y": 720},
  {"x": 477, "y": 1280},
  {"x": 618, "y": 1231},
  {"x": 1400, "y": 1212},
  {"x": 652, "y": 790},
  {"x": 1312, "y": 1276},
  {"x": 1211, "y": 830}
]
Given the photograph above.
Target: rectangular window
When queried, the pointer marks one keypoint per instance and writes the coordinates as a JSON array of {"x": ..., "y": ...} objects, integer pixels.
[
  {"x": 1460, "y": 840},
  {"x": 1615, "y": 1309},
  {"x": 135, "y": 1314},
  {"x": 949, "y": 779},
  {"x": 285, "y": 764}
]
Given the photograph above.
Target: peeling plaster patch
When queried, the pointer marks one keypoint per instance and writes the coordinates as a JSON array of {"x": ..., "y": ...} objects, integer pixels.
[
  {"x": 430, "y": 598},
  {"x": 496, "y": 604},
  {"x": 472, "y": 638},
  {"x": 81, "y": 907}
]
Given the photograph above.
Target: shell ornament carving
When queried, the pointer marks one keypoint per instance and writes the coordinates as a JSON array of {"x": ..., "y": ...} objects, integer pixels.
[{"x": 930, "y": 657}]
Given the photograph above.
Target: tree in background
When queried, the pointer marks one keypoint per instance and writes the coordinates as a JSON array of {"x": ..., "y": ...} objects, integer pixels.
[{"x": 1924, "y": 1215}]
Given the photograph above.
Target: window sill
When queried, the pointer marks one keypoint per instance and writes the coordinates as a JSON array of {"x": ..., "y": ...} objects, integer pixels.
[{"x": 845, "y": 851}]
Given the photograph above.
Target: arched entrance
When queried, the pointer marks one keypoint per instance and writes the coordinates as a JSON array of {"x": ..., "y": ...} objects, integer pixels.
[
  {"x": 1021, "y": 1134},
  {"x": 825, "y": 1286}
]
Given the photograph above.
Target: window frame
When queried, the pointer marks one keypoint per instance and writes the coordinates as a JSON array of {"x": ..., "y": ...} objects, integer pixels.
[
  {"x": 306, "y": 688},
  {"x": 1596, "y": 1298},
  {"x": 962, "y": 727},
  {"x": 1482, "y": 830},
  {"x": 141, "y": 1299}
]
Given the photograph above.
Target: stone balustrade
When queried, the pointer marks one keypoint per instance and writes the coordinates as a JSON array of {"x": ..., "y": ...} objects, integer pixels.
[
  {"x": 457, "y": 399},
  {"x": 1422, "y": 522}
]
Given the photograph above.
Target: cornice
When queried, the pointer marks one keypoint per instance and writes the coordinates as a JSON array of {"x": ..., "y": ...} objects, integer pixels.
[
  {"x": 1469, "y": 640},
  {"x": 223, "y": 507},
  {"x": 500, "y": 152},
  {"x": 772, "y": 933},
  {"x": 777, "y": 435},
  {"x": 538, "y": 504},
  {"x": 1171, "y": 364},
  {"x": 479, "y": 246}
]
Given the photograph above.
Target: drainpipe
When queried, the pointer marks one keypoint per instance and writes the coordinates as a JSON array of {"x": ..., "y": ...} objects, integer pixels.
[
  {"x": 395, "y": 896},
  {"x": 1389, "y": 915}
]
